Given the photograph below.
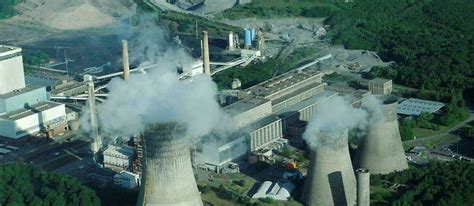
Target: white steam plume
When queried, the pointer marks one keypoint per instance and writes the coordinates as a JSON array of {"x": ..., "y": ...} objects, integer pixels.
[
  {"x": 333, "y": 115},
  {"x": 374, "y": 109},
  {"x": 158, "y": 96}
]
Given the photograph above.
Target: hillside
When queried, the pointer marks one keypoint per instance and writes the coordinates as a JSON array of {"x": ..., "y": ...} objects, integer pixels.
[{"x": 431, "y": 41}]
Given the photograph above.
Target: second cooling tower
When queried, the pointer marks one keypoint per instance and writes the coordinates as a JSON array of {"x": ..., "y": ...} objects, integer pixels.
[
  {"x": 168, "y": 177},
  {"x": 330, "y": 179},
  {"x": 382, "y": 151}
]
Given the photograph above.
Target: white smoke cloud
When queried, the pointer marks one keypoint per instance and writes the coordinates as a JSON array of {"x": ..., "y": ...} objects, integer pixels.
[
  {"x": 374, "y": 108},
  {"x": 334, "y": 115},
  {"x": 158, "y": 96}
]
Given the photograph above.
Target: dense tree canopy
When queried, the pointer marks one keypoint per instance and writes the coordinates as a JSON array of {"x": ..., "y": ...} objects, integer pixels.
[
  {"x": 440, "y": 184},
  {"x": 25, "y": 185},
  {"x": 431, "y": 41}
]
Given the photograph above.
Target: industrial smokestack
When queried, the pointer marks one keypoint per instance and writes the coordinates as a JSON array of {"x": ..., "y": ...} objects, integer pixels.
[
  {"x": 168, "y": 176},
  {"x": 381, "y": 151},
  {"x": 205, "y": 56},
  {"x": 363, "y": 187},
  {"x": 96, "y": 143},
  {"x": 126, "y": 62},
  {"x": 231, "y": 41},
  {"x": 330, "y": 179}
]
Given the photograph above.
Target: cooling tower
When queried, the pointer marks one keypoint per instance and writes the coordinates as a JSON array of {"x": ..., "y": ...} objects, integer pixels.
[
  {"x": 363, "y": 187},
  {"x": 205, "y": 56},
  {"x": 330, "y": 179},
  {"x": 168, "y": 177},
  {"x": 381, "y": 151}
]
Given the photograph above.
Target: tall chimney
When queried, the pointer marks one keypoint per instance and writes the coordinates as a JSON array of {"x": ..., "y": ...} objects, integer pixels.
[
  {"x": 381, "y": 151},
  {"x": 168, "y": 177},
  {"x": 363, "y": 187},
  {"x": 96, "y": 143},
  {"x": 205, "y": 56},
  {"x": 126, "y": 62},
  {"x": 330, "y": 179}
]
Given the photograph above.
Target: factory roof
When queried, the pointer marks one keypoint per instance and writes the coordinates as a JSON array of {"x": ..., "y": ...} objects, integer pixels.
[
  {"x": 264, "y": 121},
  {"x": 415, "y": 106},
  {"x": 244, "y": 105},
  {"x": 16, "y": 92},
  {"x": 282, "y": 82},
  {"x": 275, "y": 190},
  {"x": 118, "y": 150},
  {"x": 298, "y": 91},
  {"x": 325, "y": 94},
  {"x": 7, "y": 50},
  {"x": 380, "y": 81},
  {"x": 25, "y": 112}
]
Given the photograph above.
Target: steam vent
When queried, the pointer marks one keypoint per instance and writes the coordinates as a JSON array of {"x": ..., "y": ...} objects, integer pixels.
[
  {"x": 381, "y": 151},
  {"x": 168, "y": 176},
  {"x": 330, "y": 179}
]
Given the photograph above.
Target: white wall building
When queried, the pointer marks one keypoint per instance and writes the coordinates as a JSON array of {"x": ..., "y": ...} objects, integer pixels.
[
  {"x": 12, "y": 76},
  {"x": 116, "y": 157},
  {"x": 127, "y": 180},
  {"x": 30, "y": 120}
]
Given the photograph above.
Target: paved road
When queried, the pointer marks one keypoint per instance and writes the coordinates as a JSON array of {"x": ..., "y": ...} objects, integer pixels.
[{"x": 458, "y": 126}]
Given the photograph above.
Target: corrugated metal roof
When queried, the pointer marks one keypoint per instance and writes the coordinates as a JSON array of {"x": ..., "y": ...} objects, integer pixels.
[{"x": 415, "y": 106}]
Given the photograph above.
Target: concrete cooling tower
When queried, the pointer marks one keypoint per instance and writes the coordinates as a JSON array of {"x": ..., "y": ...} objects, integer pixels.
[
  {"x": 330, "y": 179},
  {"x": 168, "y": 177},
  {"x": 381, "y": 151}
]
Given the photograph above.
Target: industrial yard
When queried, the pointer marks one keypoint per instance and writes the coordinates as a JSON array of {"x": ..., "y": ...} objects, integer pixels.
[{"x": 249, "y": 111}]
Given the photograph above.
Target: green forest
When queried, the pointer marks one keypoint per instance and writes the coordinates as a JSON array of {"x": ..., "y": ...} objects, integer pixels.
[
  {"x": 431, "y": 41},
  {"x": 438, "y": 184},
  {"x": 6, "y": 8},
  {"x": 26, "y": 185}
]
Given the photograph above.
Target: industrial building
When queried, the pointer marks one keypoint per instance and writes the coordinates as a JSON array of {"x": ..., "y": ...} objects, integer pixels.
[
  {"x": 265, "y": 132},
  {"x": 46, "y": 116},
  {"x": 12, "y": 76},
  {"x": 215, "y": 151},
  {"x": 127, "y": 180},
  {"x": 118, "y": 157},
  {"x": 415, "y": 107},
  {"x": 274, "y": 190},
  {"x": 249, "y": 110},
  {"x": 19, "y": 97},
  {"x": 379, "y": 86}
]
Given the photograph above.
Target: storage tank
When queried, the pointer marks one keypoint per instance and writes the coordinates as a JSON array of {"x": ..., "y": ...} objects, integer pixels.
[
  {"x": 330, "y": 179},
  {"x": 248, "y": 37},
  {"x": 168, "y": 178},
  {"x": 381, "y": 151},
  {"x": 253, "y": 33}
]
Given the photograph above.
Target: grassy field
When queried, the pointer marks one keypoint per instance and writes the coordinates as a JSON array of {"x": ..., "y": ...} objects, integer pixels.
[{"x": 281, "y": 8}]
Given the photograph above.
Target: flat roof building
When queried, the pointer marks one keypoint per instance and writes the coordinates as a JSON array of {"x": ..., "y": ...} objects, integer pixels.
[
  {"x": 18, "y": 98},
  {"x": 249, "y": 110},
  {"x": 12, "y": 76},
  {"x": 44, "y": 116},
  {"x": 118, "y": 157},
  {"x": 379, "y": 86},
  {"x": 415, "y": 106}
]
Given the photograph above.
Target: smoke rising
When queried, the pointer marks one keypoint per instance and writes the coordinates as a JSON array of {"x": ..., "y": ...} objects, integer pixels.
[
  {"x": 374, "y": 109},
  {"x": 334, "y": 115},
  {"x": 158, "y": 96}
]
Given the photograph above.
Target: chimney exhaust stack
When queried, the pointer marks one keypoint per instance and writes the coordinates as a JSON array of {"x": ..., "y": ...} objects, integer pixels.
[
  {"x": 126, "y": 62},
  {"x": 96, "y": 143},
  {"x": 205, "y": 56},
  {"x": 363, "y": 187}
]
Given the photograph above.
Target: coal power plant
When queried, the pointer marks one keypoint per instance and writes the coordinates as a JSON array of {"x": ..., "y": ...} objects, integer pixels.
[
  {"x": 168, "y": 177},
  {"x": 330, "y": 179},
  {"x": 381, "y": 152}
]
